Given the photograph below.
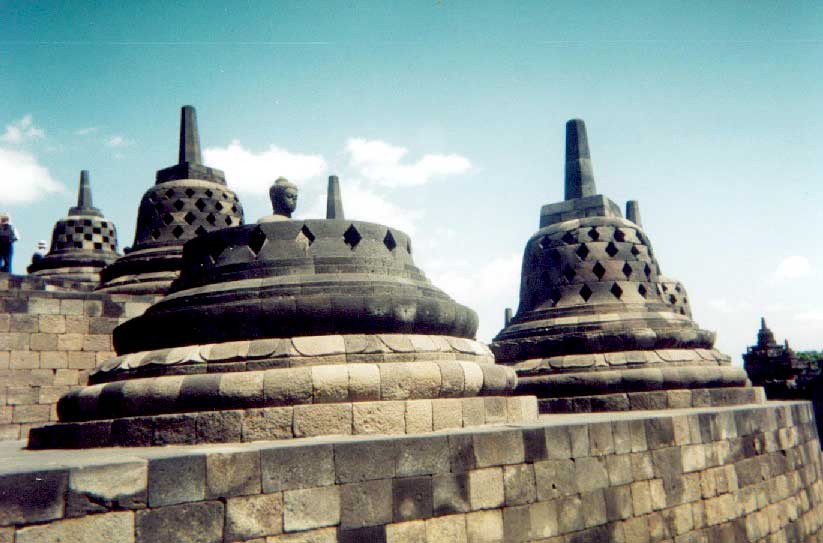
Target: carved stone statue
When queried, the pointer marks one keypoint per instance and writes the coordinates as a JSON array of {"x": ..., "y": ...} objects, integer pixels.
[{"x": 283, "y": 194}]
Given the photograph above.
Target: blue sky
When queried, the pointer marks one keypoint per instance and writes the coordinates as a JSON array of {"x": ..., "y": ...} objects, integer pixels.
[{"x": 446, "y": 119}]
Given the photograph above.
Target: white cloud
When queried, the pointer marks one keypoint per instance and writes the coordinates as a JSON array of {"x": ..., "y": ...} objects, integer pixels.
[
  {"x": 380, "y": 162},
  {"x": 725, "y": 306},
  {"x": 22, "y": 131},
  {"x": 24, "y": 179},
  {"x": 793, "y": 267},
  {"x": 253, "y": 173},
  {"x": 118, "y": 141},
  {"x": 361, "y": 203},
  {"x": 86, "y": 131}
]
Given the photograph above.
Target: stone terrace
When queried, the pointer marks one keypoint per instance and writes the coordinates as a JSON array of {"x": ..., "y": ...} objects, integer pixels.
[
  {"x": 51, "y": 336},
  {"x": 746, "y": 473}
]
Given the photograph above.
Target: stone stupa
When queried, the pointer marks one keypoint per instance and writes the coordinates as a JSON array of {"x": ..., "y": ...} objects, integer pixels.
[
  {"x": 188, "y": 199},
  {"x": 292, "y": 328},
  {"x": 598, "y": 327},
  {"x": 82, "y": 244}
]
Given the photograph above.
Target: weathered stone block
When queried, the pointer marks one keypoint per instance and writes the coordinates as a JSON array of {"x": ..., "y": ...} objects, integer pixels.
[
  {"x": 450, "y": 493},
  {"x": 311, "y": 508},
  {"x": 176, "y": 480},
  {"x": 364, "y": 382},
  {"x": 590, "y": 474},
  {"x": 293, "y": 467},
  {"x": 232, "y": 474},
  {"x": 33, "y": 496},
  {"x": 406, "y": 532},
  {"x": 266, "y": 424},
  {"x": 92, "y": 529},
  {"x": 317, "y": 420},
  {"x": 519, "y": 484},
  {"x": 253, "y": 516},
  {"x": 447, "y": 413},
  {"x": 425, "y": 455},
  {"x": 365, "y": 460},
  {"x": 412, "y": 498},
  {"x": 554, "y": 479},
  {"x": 188, "y": 523},
  {"x": 367, "y": 503},
  {"x": 288, "y": 386},
  {"x": 94, "y": 489},
  {"x": 451, "y": 528},
  {"x": 486, "y": 489},
  {"x": 499, "y": 447},
  {"x": 418, "y": 416},
  {"x": 379, "y": 417}
]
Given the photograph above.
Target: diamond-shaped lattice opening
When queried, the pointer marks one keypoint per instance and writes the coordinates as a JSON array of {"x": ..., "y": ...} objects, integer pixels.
[
  {"x": 627, "y": 270},
  {"x": 98, "y": 246},
  {"x": 178, "y": 231},
  {"x": 642, "y": 290},
  {"x": 555, "y": 295},
  {"x": 200, "y": 204},
  {"x": 599, "y": 270},
  {"x": 190, "y": 218},
  {"x": 594, "y": 234},
  {"x": 619, "y": 235},
  {"x": 227, "y": 220},
  {"x": 672, "y": 299},
  {"x": 306, "y": 235},
  {"x": 86, "y": 222},
  {"x": 234, "y": 209},
  {"x": 616, "y": 291},
  {"x": 155, "y": 234},
  {"x": 352, "y": 237},
  {"x": 218, "y": 206},
  {"x": 569, "y": 238},
  {"x": 97, "y": 230},
  {"x": 78, "y": 244},
  {"x": 200, "y": 230},
  {"x": 159, "y": 206},
  {"x": 167, "y": 218},
  {"x": 582, "y": 251},
  {"x": 682, "y": 311},
  {"x": 585, "y": 293},
  {"x": 211, "y": 219},
  {"x": 663, "y": 286},
  {"x": 256, "y": 240},
  {"x": 389, "y": 241},
  {"x": 568, "y": 273},
  {"x": 648, "y": 271},
  {"x": 225, "y": 196},
  {"x": 677, "y": 288},
  {"x": 408, "y": 246},
  {"x": 641, "y": 237},
  {"x": 545, "y": 243},
  {"x": 189, "y": 192},
  {"x": 178, "y": 205},
  {"x": 635, "y": 250},
  {"x": 209, "y": 193},
  {"x": 611, "y": 249},
  {"x": 170, "y": 193},
  {"x": 88, "y": 237}
]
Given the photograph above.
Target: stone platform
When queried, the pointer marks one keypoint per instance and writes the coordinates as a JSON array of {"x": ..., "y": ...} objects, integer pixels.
[{"x": 714, "y": 474}]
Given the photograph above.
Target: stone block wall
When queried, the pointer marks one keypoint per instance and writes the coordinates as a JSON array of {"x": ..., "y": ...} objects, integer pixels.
[
  {"x": 743, "y": 473},
  {"x": 51, "y": 336}
]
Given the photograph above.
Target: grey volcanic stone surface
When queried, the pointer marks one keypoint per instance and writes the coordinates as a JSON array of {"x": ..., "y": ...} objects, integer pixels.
[
  {"x": 596, "y": 315},
  {"x": 82, "y": 244},
  {"x": 188, "y": 199},
  {"x": 295, "y": 278}
]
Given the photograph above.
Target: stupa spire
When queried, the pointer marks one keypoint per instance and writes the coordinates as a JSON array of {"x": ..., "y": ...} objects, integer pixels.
[
  {"x": 84, "y": 201},
  {"x": 334, "y": 200},
  {"x": 579, "y": 175},
  {"x": 189, "y": 136},
  {"x": 633, "y": 212}
]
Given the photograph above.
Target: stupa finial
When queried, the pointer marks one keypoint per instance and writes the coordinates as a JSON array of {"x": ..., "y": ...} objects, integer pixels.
[
  {"x": 579, "y": 176},
  {"x": 189, "y": 136},
  {"x": 334, "y": 200},
  {"x": 84, "y": 202},
  {"x": 633, "y": 212}
]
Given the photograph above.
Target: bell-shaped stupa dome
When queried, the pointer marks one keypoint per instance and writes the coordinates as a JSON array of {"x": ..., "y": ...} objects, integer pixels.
[
  {"x": 596, "y": 315},
  {"x": 188, "y": 199},
  {"x": 82, "y": 244}
]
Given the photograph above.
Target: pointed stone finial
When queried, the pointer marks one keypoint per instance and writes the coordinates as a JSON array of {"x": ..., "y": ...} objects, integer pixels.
[
  {"x": 763, "y": 323},
  {"x": 633, "y": 212},
  {"x": 334, "y": 200},
  {"x": 189, "y": 137},
  {"x": 579, "y": 176},
  {"x": 507, "y": 316},
  {"x": 84, "y": 202}
]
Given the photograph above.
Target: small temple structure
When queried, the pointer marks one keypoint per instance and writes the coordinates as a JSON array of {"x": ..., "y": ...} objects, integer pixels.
[
  {"x": 777, "y": 368},
  {"x": 291, "y": 328},
  {"x": 598, "y": 326},
  {"x": 82, "y": 243},
  {"x": 187, "y": 200}
]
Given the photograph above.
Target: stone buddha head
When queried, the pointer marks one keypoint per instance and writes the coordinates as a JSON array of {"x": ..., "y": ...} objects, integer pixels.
[{"x": 283, "y": 194}]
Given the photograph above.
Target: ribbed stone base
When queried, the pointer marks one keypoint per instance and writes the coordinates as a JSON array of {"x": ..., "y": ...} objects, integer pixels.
[
  {"x": 655, "y": 400},
  {"x": 243, "y": 425}
]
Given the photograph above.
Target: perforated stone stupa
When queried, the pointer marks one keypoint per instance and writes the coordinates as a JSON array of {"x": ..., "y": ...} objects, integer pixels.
[
  {"x": 598, "y": 326},
  {"x": 188, "y": 199},
  {"x": 292, "y": 328},
  {"x": 82, "y": 243}
]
